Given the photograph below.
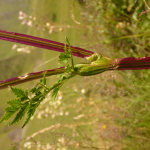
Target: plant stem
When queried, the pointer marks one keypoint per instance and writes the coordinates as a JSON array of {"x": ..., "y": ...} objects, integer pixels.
[
  {"x": 30, "y": 77},
  {"x": 132, "y": 63},
  {"x": 42, "y": 43}
]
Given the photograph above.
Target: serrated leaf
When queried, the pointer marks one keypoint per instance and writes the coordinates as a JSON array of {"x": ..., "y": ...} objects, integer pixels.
[
  {"x": 19, "y": 92},
  {"x": 39, "y": 88},
  {"x": 31, "y": 112},
  {"x": 21, "y": 113},
  {"x": 55, "y": 92},
  {"x": 33, "y": 90},
  {"x": 9, "y": 112},
  {"x": 11, "y": 109},
  {"x": 15, "y": 102},
  {"x": 26, "y": 93},
  {"x": 56, "y": 87},
  {"x": 64, "y": 56},
  {"x": 27, "y": 120},
  {"x": 38, "y": 93}
]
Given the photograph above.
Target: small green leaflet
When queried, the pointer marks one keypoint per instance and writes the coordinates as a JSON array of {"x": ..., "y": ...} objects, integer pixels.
[
  {"x": 31, "y": 111},
  {"x": 20, "y": 93},
  {"x": 64, "y": 56},
  {"x": 9, "y": 112},
  {"x": 24, "y": 108}
]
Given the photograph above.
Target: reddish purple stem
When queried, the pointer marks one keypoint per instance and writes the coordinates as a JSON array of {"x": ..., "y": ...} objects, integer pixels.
[
  {"x": 42, "y": 43},
  {"x": 132, "y": 63}
]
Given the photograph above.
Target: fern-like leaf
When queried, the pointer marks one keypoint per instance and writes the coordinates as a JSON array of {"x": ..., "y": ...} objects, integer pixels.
[
  {"x": 20, "y": 93},
  {"x": 31, "y": 112},
  {"x": 15, "y": 103},
  {"x": 9, "y": 112},
  {"x": 21, "y": 113}
]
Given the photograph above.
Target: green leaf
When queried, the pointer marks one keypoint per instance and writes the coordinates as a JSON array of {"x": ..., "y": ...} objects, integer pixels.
[
  {"x": 15, "y": 102},
  {"x": 9, "y": 112},
  {"x": 38, "y": 93},
  {"x": 55, "y": 92},
  {"x": 64, "y": 56},
  {"x": 56, "y": 87},
  {"x": 21, "y": 113},
  {"x": 33, "y": 90},
  {"x": 31, "y": 112},
  {"x": 19, "y": 92}
]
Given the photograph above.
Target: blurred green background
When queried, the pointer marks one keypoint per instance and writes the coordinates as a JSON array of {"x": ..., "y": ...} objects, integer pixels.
[{"x": 107, "y": 111}]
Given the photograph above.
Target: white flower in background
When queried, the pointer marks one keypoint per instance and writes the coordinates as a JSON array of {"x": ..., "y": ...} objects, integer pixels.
[
  {"x": 48, "y": 146},
  {"x": 27, "y": 144},
  {"x": 61, "y": 140},
  {"x": 20, "y": 49},
  {"x": 27, "y": 51},
  {"x": 30, "y": 23},
  {"x": 60, "y": 29},
  {"x": 34, "y": 18},
  {"x": 83, "y": 91},
  {"x": 14, "y": 46},
  {"x": 58, "y": 102},
  {"x": 20, "y": 13},
  {"x": 20, "y": 17},
  {"x": 53, "y": 115},
  {"x": 39, "y": 116},
  {"x": 48, "y": 24},
  {"x": 38, "y": 145},
  {"x": 61, "y": 113},
  {"x": 24, "y": 49},
  {"x": 60, "y": 97},
  {"x": 46, "y": 115},
  {"x": 24, "y": 22},
  {"x": 50, "y": 31},
  {"x": 67, "y": 113},
  {"x": 47, "y": 109},
  {"x": 32, "y": 118}
]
